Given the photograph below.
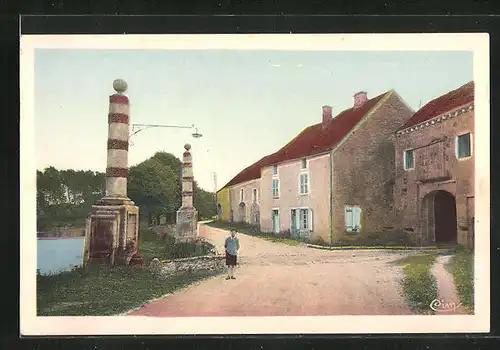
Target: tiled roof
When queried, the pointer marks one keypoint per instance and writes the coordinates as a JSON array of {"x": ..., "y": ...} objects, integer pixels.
[
  {"x": 453, "y": 99},
  {"x": 318, "y": 139},
  {"x": 312, "y": 140},
  {"x": 251, "y": 172}
]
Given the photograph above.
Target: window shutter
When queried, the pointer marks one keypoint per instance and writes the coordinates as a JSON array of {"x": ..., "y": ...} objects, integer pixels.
[
  {"x": 310, "y": 212},
  {"x": 278, "y": 229},
  {"x": 348, "y": 218},
  {"x": 357, "y": 217}
]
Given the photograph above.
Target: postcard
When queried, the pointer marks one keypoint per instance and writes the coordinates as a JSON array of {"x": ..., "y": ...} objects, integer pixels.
[{"x": 254, "y": 184}]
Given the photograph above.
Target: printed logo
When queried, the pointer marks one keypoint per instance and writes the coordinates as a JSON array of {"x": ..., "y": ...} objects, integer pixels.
[{"x": 439, "y": 305}]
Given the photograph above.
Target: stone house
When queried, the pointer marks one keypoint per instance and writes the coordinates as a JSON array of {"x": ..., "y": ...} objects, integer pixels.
[
  {"x": 434, "y": 189},
  {"x": 335, "y": 179},
  {"x": 240, "y": 197}
]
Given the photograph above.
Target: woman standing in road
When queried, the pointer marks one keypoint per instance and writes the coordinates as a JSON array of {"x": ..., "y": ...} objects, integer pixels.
[{"x": 232, "y": 245}]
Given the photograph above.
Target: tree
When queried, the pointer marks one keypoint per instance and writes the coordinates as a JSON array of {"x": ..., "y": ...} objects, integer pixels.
[
  {"x": 154, "y": 186},
  {"x": 65, "y": 197}
]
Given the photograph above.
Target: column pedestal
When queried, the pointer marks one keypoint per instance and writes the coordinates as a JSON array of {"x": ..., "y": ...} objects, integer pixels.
[
  {"x": 187, "y": 225},
  {"x": 112, "y": 235}
]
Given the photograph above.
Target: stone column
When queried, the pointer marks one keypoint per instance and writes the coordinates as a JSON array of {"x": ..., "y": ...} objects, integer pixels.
[
  {"x": 112, "y": 232},
  {"x": 187, "y": 221},
  {"x": 118, "y": 135},
  {"x": 187, "y": 178}
]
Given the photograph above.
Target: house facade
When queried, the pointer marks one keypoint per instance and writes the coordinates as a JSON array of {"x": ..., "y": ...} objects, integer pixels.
[
  {"x": 294, "y": 197},
  {"x": 243, "y": 195},
  {"x": 335, "y": 179},
  {"x": 244, "y": 199},
  {"x": 434, "y": 189},
  {"x": 223, "y": 204}
]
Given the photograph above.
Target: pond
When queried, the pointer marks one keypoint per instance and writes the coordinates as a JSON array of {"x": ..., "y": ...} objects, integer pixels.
[{"x": 57, "y": 255}]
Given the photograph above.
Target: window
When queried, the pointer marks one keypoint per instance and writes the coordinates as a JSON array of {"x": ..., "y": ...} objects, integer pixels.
[
  {"x": 302, "y": 220},
  {"x": 276, "y": 220},
  {"x": 303, "y": 163},
  {"x": 304, "y": 183},
  {"x": 409, "y": 160},
  {"x": 276, "y": 190},
  {"x": 464, "y": 149},
  {"x": 254, "y": 195},
  {"x": 352, "y": 218},
  {"x": 241, "y": 195},
  {"x": 275, "y": 170}
]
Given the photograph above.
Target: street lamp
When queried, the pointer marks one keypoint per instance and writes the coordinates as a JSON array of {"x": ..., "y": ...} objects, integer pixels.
[{"x": 142, "y": 127}]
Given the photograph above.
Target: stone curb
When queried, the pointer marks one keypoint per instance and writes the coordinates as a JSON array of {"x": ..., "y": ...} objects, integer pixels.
[
  {"x": 193, "y": 258},
  {"x": 374, "y": 249}
]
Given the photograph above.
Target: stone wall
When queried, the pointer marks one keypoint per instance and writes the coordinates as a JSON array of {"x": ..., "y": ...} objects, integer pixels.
[
  {"x": 364, "y": 170},
  {"x": 163, "y": 269},
  {"x": 62, "y": 232},
  {"x": 163, "y": 229},
  {"x": 436, "y": 168}
]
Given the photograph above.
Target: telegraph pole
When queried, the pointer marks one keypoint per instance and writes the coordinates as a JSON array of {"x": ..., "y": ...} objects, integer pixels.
[{"x": 215, "y": 194}]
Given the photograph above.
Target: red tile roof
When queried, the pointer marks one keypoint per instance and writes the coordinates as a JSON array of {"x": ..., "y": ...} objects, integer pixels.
[
  {"x": 445, "y": 103},
  {"x": 312, "y": 140},
  {"x": 249, "y": 173},
  {"x": 318, "y": 139}
]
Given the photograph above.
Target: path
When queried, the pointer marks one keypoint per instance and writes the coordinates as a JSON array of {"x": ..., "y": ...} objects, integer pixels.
[
  {"x": 449, "y": 302},
  {"x": 275, "y": 279}
]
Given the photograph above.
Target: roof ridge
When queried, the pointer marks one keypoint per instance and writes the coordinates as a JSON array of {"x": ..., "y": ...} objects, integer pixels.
[
  {"x": 313, "y": 139},
  {"x": 442, "y": 104}
]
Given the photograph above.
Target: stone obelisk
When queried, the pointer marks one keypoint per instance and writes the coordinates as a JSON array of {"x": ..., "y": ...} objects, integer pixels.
[
  {"x": 112, "y": 233},
  {"x": 187, "y": 216}
]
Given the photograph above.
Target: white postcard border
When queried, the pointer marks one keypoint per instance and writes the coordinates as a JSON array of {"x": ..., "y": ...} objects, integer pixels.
[{"x": 30, "y": 324}]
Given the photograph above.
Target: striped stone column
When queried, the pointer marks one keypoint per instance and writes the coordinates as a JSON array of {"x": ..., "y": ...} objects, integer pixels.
[
  {"x": 118, "y": 135},
  {"x": 187, "y": 178}
]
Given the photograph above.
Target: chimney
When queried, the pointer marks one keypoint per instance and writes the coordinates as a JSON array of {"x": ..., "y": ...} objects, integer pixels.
[
  {"x": 327, "y": 115},
  {"x": 359, "y": 99}
]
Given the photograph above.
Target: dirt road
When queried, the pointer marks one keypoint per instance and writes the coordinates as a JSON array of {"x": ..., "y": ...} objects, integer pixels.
[{"x": 275, "y": 279}]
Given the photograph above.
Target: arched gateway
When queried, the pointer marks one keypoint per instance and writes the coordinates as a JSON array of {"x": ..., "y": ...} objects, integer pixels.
[{"x": 439, "y": 217}]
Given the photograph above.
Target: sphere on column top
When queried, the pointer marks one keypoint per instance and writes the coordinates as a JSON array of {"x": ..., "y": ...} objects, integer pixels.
[
  {"x": 120, "y": 85},
  {"x": 187, "y": 146}
]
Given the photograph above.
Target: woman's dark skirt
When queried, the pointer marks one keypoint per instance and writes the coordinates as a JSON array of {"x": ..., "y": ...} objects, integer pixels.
[{"x": 230, "y": 259}]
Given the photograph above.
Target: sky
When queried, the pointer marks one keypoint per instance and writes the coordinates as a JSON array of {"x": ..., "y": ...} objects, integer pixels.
[{"x": 246, "y": 104}]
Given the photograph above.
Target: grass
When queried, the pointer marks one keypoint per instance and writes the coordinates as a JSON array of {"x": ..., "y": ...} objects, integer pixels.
[
  {"x": 254, "y": 231},
  {"x": 419, "y": 284},
  {"x": 390, "y": 238},
  {"x": 104, "y": 290},
  {"x": 461, "y": 266}
]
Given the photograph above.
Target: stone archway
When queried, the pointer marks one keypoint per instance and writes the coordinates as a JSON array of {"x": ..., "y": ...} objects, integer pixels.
[{"x": 439, "y": 216}]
